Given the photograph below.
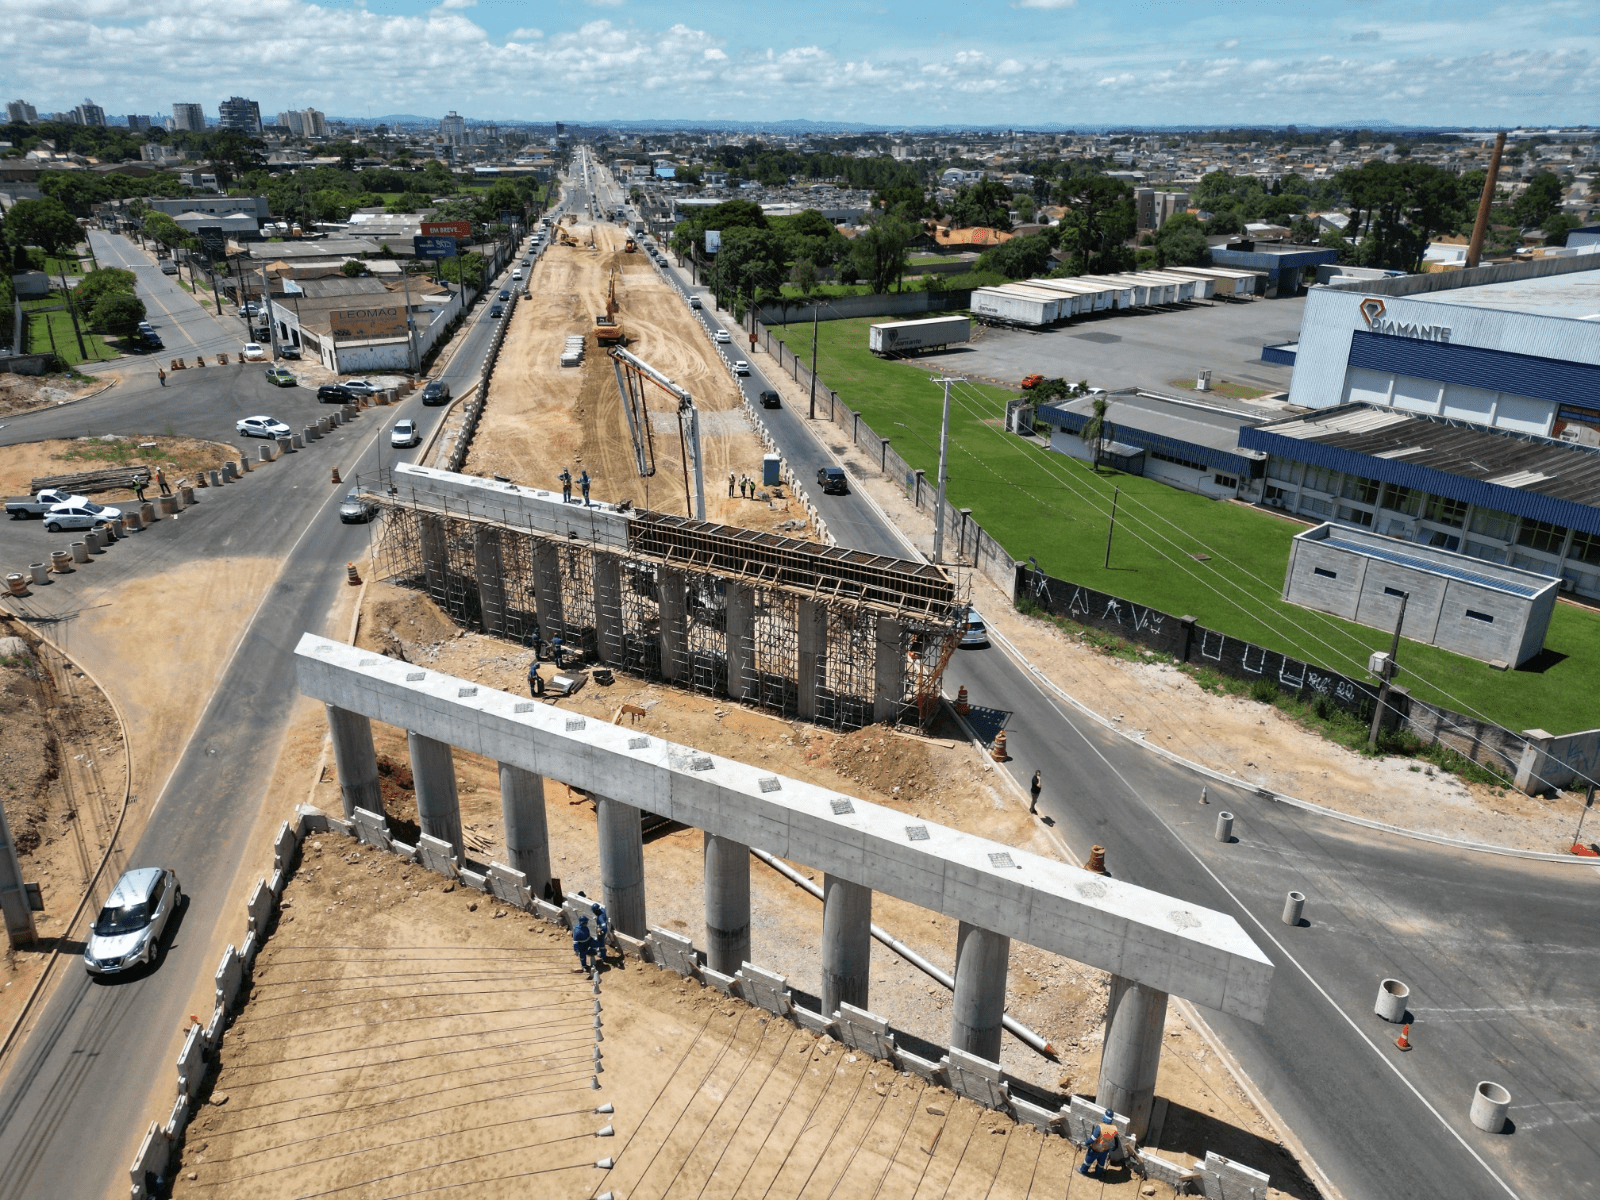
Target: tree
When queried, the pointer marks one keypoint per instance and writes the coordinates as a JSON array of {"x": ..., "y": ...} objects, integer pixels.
[
  {"x": 1181, "y": 242},
  {"x": 1226, "y": 221},
  {"x": 107, "y": 281},
  {"x": 43, "y": 223},
  {"x": 159, "y": 227},
  {"x": 730, "y": 214},
  {"x": 1556, "y": 227},
  {"x": 750, "y": 258},
  {"x": 1020, "y": 258},
  {"x": 986, "y": 203},
  {"x": 1101, "y": 217},
  {"x": 879, "y": 254},
  {"x": 1223, "y": 191},
  {"x": 117, "y": 313},
  {"x": 1540, "y": 200},
  {"x": 352, "y": 267},
  {"x": 1398, "y": 208},
  {"x": 1027, "y": 207},
  {"x": 1097, "y": 431}
]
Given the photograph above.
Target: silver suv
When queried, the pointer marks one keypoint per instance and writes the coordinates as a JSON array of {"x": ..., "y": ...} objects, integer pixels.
[{"x": 128, "y": 930}]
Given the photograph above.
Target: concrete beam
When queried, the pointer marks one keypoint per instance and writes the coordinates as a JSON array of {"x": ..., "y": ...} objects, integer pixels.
[
  {"x": 509, "y": 504},
  {"x": 1169, "y": 944},
  {"x": 355, "y": 760}
]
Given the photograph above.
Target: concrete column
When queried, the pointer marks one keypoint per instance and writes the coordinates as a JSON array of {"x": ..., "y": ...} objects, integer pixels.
[
  {"x": 434, "y": 562},
  {"x": 547, "y": 590},
  {"x": 433, "y": 772},
  {"x": 486, "y": 566},
  {"x": 609, "y": 629},
  {"x": 740, "y": 634},
  {"x": 727, "y": 866},
  {"x": 846, "y": 943},
  {"x": 527, "y": 834},
  {"x": 674, "y": 626},
  {"x": 621, "y": 864},
  {"x": 980, "y": 999},
  {"x": 1135, "y": 1014},
  {"x": 888, "y": 670},
  {"x": 813, "y": 638},
  {"x": 355, "y": 759},
  {"x": 13, "y": 894}
]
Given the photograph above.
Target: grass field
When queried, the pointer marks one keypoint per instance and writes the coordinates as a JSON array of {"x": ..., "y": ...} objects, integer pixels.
[
  {"x": 1176, "y": 551},
  {"x": 43, "y": 326}
]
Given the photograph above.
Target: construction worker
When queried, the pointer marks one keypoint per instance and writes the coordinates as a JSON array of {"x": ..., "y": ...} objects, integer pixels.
[
  {"x": 537, "y": 642},
  {"x": 535, "y": 680},
  {"x": 1102, "y": 1141},
  {"x": 730, "y": 485},
  {"x": 161, "y": 481},
  {"x": 566, "y": 485},
  {"x": 583, "y": 482},
  {"x": 555, "y": 652},
  {"x": 583, "y": 946},
  {"x": 138, "y": 487},
  {"x": 602, "y": 929},
  {"x": 161, "y": 374}
]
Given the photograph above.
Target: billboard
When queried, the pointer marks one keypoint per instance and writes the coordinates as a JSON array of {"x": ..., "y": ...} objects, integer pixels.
[
  {"x": 713, "y": 240},
  {"x": 360, "y": 324},
  {"x": 457, "y": 229},
  {"x": 434, "y": 247}
]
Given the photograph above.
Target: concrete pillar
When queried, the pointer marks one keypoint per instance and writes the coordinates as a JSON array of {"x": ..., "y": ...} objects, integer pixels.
[
  {"x": 980, "y": 999},
  {"x": 1535, "y": 762},
  {"x": 813, "y": 638},
  {"x": 609, "y": 636},
  {"x": 486, "y": 566},
  {"x": 433, "y": 772},
  {"x": 434, "y": 562},
  {"x": 355, "y": 759},
  {"x": 1135, "y": 1014},
  {"x": 621, "y": 864},
  {"x": 888, "y": 669},
  {"x": 547, "y": 590},
  {"x": 13, "y": 894},
  {"x": 727, "y": 883},
  {"x": 846, "y": 943},
  {"x": 674, "y": 626},
  {"x": 740, "y": 634},
  {"x": 527, "y": 834}
]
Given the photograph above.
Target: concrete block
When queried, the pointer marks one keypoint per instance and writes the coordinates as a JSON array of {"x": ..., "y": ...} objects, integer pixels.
[
  {"x": 214, "y": 1027},
  {"x": 192, "y": 1060},
  {"x": 438, "y": 856},
  {"x": 806, "y": 1019},
  {"x": 403, "y": 850},
  {"x": 933, "y": 1072},
  {"x": 247, "y": 950},
  {"x": 765, "y": 989},
  {"x": 285, "y": 844},
  {"x": 372, "y": 829},
  {"x": 977, "y": 1079},
  {"x": 674, "y": 952},
  {"x": 1083, "y": 1115},
  {"x": 1223, "y": 1179},
  {"x": 510, "y": 886},
  {"x": 726, "y": 984},
  {"x": 543, "y": 908},
  {"x": 155, "y": 1151},
  {"x": 638, "y": 948},
  {"x": 230, "y": 972},
  {"x": 309, "y": 819},
  {"x": 474, "y": 880},
  {"x": 1032, "y": 1114},
  {"x": 865, "y": 1031},
  {"x": 1164, "y": 1170},
  {"x": 276, "y": 883},
  {"x": 259, "y": 908},
  {"x": 178, "y": 1118},
  {"x": 340, "y": 826}
]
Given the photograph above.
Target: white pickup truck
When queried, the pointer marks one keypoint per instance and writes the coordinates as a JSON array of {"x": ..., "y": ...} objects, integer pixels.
[{"x": 37, "y": 506}]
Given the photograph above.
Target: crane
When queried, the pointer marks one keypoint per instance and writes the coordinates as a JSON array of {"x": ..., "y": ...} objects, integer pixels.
[{"x": 632, "y": 373}]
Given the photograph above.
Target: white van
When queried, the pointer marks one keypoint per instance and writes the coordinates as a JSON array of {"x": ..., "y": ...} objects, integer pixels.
[{"x": 517, "y": 274}]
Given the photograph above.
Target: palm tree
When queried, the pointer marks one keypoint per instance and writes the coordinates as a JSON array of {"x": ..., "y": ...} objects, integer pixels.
[{"x": 1097, "y": 430}]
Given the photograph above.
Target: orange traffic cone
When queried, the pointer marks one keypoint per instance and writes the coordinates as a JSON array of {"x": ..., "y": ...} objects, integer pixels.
[
  {"x": 999, "y": 752},
  {"x": 351, "y": 574},
  {"x": 962, "y": 706},
  {"x": 336, "y": 475},
  {"x": 1403, "y": 1042},
  {"x": 1097, "y": 861}
]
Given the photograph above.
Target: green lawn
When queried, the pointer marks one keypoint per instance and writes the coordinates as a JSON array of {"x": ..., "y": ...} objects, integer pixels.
[
  {"x": 1055, "y": 509},
  {"x": 923, "y": 260},
  {"x": 42, "y": 325}
]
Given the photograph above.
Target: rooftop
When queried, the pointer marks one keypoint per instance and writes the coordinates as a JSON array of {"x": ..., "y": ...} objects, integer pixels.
[
  {"x": 1573, "y": 296},
  {"x": 1193, "y": 423},
  {"x": 1444, "y": 563}
]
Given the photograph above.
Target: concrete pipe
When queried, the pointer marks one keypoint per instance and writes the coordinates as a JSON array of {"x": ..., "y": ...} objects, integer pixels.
[
  {"x": 349, "y": 411},
  {"x": 268, "y": 452},
  {"x": 244, "y": 465},
  {"x": 91, "y": 541},
  {"x": 186, "y": 494},
  {"x": 61, "y": 561},
  {"x": 1224, "y": 827},
  {"x": 337, "y": 417},
  {"x": 147, "y": 513},
  {"x": 312, "y": 433},
  {"x": 1490, "y": 1103},
  {"x": 215, "y": 477},
  {"x": 1293, "y": 907},
  {"x": 131, "y": 523},
  {"x": 40, "y": 572},
  {"x": 1392, "y": 998},
  {"x": 169, "y": 506},
  {"x": 80, "y": 552},
  {"x": 230, "y": 470},
  {"x": 296, "y": 441},
  {"x": 17, "y": 583}
]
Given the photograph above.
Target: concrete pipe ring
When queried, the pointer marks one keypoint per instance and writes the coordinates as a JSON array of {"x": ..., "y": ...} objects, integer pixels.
[
  {"x": 17, "y": 583},
  {"x": 1293, "y": 907},
  {"x": 80, "y": 552},
  {"x": 1392, "y": 998},
  {"x": 40, "y": 572},
  {"x": 61, "y": 560},
  {"x": 1490, "y": 1103}
]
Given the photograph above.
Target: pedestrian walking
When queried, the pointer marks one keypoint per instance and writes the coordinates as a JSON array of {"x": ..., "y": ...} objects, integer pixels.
[
  {"x": 1034, "y": 789},
  {"x": 555, "y": 652},
  {"x": 730, "y": 485},
  {"x": 1102, "y": 1141},
  {"x": 583, "y": 482},
  {"x": 161, "y": 481},
  {"x": 161, "y": 374},
  {"x": 582, "y": 945},
  {"x": 535, "y": 680},
  {"x": 566, "y": 485}
]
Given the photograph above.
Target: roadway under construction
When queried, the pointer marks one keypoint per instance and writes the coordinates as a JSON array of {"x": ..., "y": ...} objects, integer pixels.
[{"x": 826, "y": 634}]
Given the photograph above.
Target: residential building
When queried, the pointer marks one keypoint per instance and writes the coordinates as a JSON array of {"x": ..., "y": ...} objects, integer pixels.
[
  {"x": 453, "y": 129},
  {"x": 294, "y": 122},
  {"x": 314, "y": 123},
  {"x": 136, "y": 121},
  {"x": 20, "y": 112},
  {"x": 89, "y": 113},
  {"x": 190, "y": 118},
  {"x": 238, "y": 113}
]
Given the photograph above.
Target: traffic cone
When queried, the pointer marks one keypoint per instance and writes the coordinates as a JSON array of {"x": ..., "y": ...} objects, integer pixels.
[
  {"x": 999, "y": 752},
  {"x": 962, "y": 706},
  {"x": 352, "y": 576},
  {"x": 1403, "y": 1042},
  {"x": 335, "y": 475},
  {"x": 1097, "y": 861}
]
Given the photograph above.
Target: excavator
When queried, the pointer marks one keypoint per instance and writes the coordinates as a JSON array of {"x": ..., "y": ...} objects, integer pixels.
[
  {"x": 607, "y": 329},
  {"x": 629, "y": 246}
]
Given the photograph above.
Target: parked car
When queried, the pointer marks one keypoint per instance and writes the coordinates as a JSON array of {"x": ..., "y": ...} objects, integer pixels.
[
  {"x": 436, "y": 391},
  {"x": 146, "y": 343},
  {"x": 832, "y": 481},
  {"x": 404, "y": 434},
  {"x": 146, "y": 328},
  {"x": 335, "y": 393},
  {"x": 740, "y": 367},
  {"x": 354, "y": 509},
  {"x": 262, "y": 427},
  {"x": 41, "y": 503},
  {"x": 249, "y": 309},
  {"x": 252, "y": 352},
  {"x": 360, "y": 387},
  {"x": 497, "y": 311},
  {"x": 127, "y": 933},
  {"x": 281, "y": 376},
  {"x": 169, "y": 268},
  {"x": 769, "y": 399},
  {"x": 289, "y": 350},
  {"x": 721, "y": 335},
  {"x": 973, "y": 631},
  {"x": 85, "y": 514}
]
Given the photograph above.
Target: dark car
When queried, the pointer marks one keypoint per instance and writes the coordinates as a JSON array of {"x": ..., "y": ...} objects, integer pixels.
[
  {"x": 335, "y": 393},
  {"x": 436, "y": 391},
  {"x": 144, "y": 343},
  {"x": 288, "y": 351},
  {"x": 769, "y": 399},
  {"x": 832, "y": 481},
  {"x": 497, "y": 310},
  {"x": 505, "y": 294}
]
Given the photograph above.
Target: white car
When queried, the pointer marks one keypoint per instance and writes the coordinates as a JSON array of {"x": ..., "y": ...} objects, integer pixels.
[
  {"x": 127, "y": 933},
  {"x": 973, "y": 630},
  {"x": 262, "y": 427},
  {"x": 85, "y": 514},
  {"x": 721, "y": 335},
  {"x": 741, "y": 367},
  {"x": 252, "y": 352},
  {"x": 360, "y": 387},
  {"x": 404, "y": 434}
]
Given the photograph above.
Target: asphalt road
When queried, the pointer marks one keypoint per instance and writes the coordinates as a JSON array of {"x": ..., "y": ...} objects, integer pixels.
[
  {"x": 185, "y": 327},
  {"x": 1501, "y": 954},
  {"x": 71, "y": 1104}
]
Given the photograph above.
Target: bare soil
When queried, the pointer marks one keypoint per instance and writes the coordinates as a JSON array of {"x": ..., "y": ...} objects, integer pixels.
[
  {"x": 24, "y": 393},
  {"x": 542, "y": 417},
  {"x": 178, "y": 457}
]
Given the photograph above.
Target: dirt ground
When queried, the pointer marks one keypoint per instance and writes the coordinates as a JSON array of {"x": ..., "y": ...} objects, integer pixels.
[
  {"x": 937, "y": 778},
  {"x": 179, "y": 457},
  {"x": 24, "y": 393},
  {"x": 542, "y": 417}
]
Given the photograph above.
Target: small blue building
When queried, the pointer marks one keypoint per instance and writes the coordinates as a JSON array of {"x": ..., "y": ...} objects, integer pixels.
[{"x": 1285, "y": 264}]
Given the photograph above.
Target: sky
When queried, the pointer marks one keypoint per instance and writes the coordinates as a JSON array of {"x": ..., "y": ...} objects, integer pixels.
[{"x": 886, "y": 63}]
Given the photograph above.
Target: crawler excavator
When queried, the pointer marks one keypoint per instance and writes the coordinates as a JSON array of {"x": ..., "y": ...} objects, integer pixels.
[{"x": 607, "y": 329}]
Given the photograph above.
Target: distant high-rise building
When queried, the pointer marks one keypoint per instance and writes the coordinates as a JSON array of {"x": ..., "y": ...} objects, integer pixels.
[
  {"x": 293, "y": 122},
  {"x": 88, "y": 113},
  {"x": 315, "y": 123},
  {"x": 135, "y": 121},
  {"x": 188, "y": 117},
  {"x": 21, "y": 112},
  {"x": 453, "y": 129},
  {"x": 238, "y": 113}
]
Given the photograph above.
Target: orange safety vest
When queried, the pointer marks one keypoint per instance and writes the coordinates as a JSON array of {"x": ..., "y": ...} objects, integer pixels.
[{"x": 1102, "y": 1138}]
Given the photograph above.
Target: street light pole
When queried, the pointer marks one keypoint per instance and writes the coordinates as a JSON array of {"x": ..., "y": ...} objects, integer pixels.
[
  {"x": 1388, "y": 674},
  {"x": 944, "y": 456},
  {"x": 813, "y": 414}
]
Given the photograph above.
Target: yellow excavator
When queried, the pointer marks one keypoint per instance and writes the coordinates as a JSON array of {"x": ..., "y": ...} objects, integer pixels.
[{"x": 607, "y": 329}]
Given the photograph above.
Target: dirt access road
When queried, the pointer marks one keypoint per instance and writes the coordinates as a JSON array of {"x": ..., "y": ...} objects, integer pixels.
[{"x": 542, "y": 417}]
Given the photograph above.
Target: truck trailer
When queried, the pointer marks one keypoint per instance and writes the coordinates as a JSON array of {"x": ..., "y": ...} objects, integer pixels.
[{"x": 902, "y": 337}]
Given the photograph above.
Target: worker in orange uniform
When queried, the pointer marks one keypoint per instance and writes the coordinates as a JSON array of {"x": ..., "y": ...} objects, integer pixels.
[{"x": 1102, "y": 1141}]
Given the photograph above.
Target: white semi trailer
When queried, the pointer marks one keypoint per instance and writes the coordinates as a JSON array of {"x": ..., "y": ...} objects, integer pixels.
[{"x": 902, "y": 337}]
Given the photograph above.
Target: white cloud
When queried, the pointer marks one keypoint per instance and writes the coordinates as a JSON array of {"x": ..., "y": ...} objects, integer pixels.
[
  {"x": 1228, "y": 44},
  {"x": 458, "y": 3},
  {"x": 1044, "y": 3},
  {"x": 605, "y": 3}
]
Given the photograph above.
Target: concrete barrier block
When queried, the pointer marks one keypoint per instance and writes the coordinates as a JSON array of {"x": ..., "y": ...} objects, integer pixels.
[
  {"x": 259, "y": 907},
  {"x": 178, "y": 1118},
  {"x": 1032, "y": 1114},
  {"x": 474, "y": 880},
  {"x": 674, "y": 952},
  {"x": 248, "y": 948},
  {"x": 806, "y": 1019},
  {"x": 276, "y": 883},
  {"x": 284, "y": 846},
  {"x": 865, "y": 1031},
  {"x": 726, "y": 984},
  {"x": 977, "y": 1079},
  {"x": 372, "y": 829},
  {"x": 403, "y": 850},
  {"x": 310, "y": 819},
  {"x": 765, "y": 989},
  {"x": 437, "y": 855},
  {"x": 192, "y": 1060},
  {"x": 1164, "y": 1170},
  {"x": 510, "y": 886},
  {"x": 926, "y": 1068},
  {"x": 229, "y": 974},
  {"x": 214, "y": 1027},
  {"x": 637, "y": 948},
  {"x": 1080, "y": 1116},
  {"x": 1223, "y": 1179},
  {"x": 543, "y": 908},
  {"x": 154, "y": 1152}
]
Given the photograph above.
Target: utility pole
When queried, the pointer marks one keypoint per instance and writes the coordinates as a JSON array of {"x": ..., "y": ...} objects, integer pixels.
[
  {"x": 412, "y": 363},
  {"x": 1388, "y": 674},
  {"x": 944, "y": 452},
  {"x": 1112, "y": 528},
  {"x": 813, "y": 415},
  {"x": 266, "y": 311}
]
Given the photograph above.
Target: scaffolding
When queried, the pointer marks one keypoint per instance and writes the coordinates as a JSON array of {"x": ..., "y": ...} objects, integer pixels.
[{"x": 834, "y": 636}]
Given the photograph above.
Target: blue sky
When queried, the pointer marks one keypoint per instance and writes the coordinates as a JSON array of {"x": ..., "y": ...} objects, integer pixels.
[{"x": 882, "y": 62}]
